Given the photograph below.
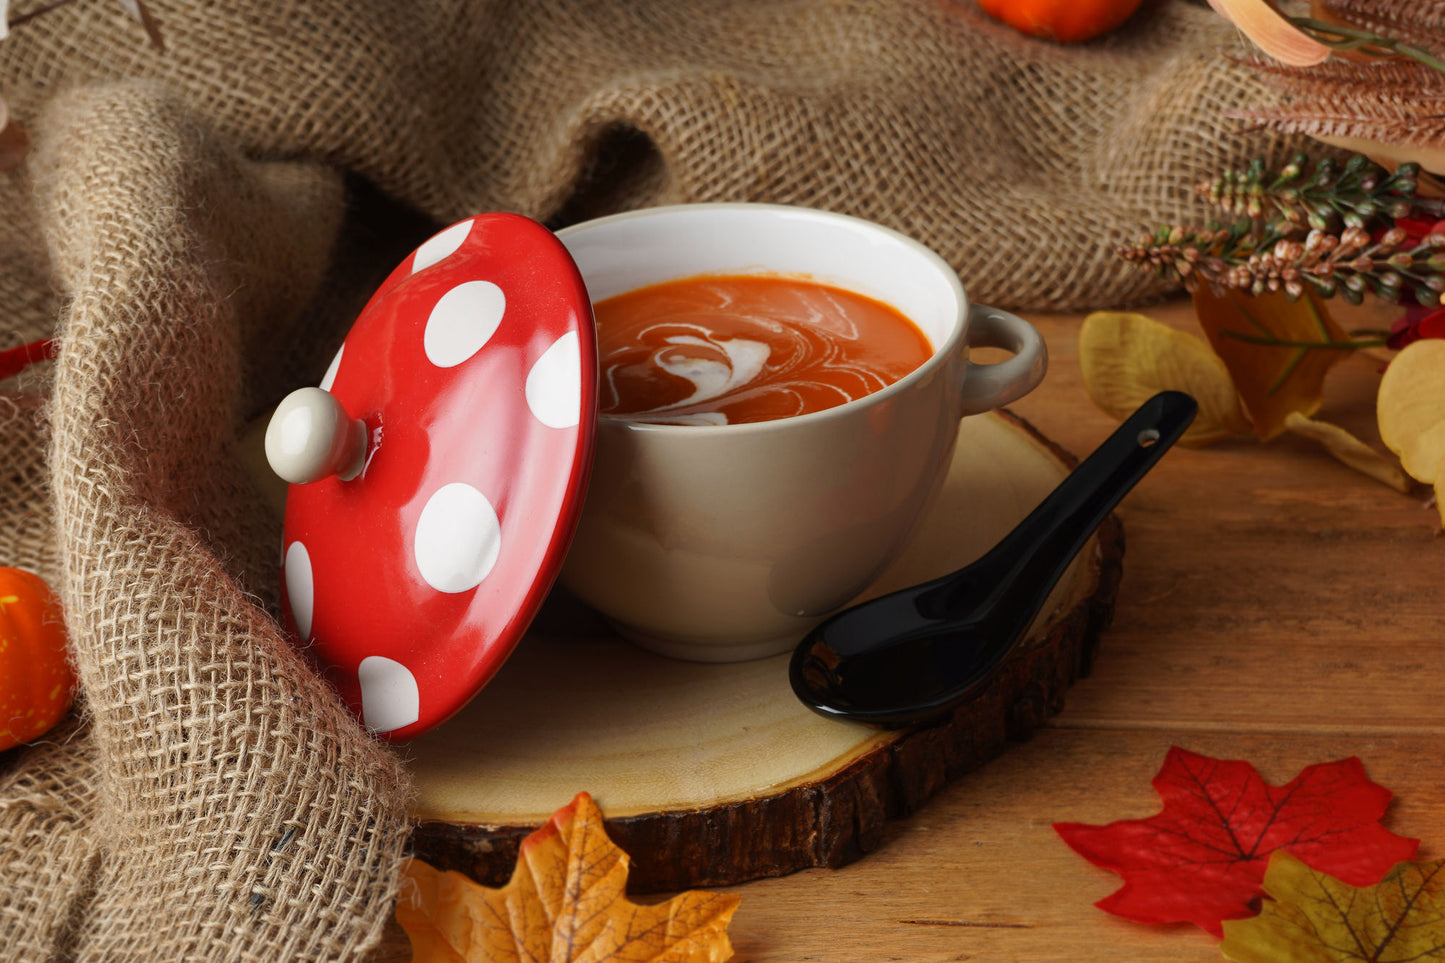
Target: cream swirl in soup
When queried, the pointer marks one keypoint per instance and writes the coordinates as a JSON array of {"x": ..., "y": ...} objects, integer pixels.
[{"x": 720, "y": 350}]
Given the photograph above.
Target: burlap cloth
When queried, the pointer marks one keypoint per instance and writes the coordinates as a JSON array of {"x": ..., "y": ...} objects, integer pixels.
[{"x": 198, "y": 226}]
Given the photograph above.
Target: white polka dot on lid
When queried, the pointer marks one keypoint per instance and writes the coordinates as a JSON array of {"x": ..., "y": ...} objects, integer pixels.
[
  {"x": 390, "y": 698},
  {"x": 462, "y": 322},
  {"x": 300, "y": 588},
  {"x": 457, "y": 539},
  {"x": 554, "y": 385},
  {"x": 328, "y": 379},
  {"x": 440, "y": 246}
]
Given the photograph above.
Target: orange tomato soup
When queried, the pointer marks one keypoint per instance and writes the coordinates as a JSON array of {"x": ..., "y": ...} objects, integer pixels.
[{"x": 727, "y": 350}]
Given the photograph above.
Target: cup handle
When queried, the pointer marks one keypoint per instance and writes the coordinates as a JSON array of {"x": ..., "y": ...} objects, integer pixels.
[{"x": 988, "y": 386}]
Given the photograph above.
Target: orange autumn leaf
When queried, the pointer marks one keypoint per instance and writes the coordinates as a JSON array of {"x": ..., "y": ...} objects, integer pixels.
[
  {"x": 563, "y": 904},
  {"x": 1277, "y": 351}
]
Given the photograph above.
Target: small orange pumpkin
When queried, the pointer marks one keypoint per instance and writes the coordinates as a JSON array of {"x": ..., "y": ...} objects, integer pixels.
[
  {"x": 37, "y": 684},
  {"x": 1067, "y": 21}
]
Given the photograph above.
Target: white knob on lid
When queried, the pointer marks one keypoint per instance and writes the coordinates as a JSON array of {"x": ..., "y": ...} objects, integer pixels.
[{"x": 311, "y": 437}]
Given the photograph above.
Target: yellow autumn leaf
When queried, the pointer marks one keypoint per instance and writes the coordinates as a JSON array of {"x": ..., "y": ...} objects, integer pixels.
[
  {"x": 1349, "y": 450},
  {"x": 1277, "y": 351},
  {"x": 1428, "y": 451},
  {"x": 563, "y": 904},
  {"x": 1312, "y": 917},
  {"x": 1410, "y": 407},
  {"x": 1128, "y": 358}
]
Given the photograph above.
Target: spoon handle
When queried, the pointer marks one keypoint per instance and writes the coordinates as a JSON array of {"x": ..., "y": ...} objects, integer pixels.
[{"x": 1014, "y": 578}]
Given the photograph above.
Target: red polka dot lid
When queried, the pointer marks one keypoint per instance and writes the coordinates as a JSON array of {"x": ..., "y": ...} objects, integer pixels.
[{"x": 439, "y": 470}]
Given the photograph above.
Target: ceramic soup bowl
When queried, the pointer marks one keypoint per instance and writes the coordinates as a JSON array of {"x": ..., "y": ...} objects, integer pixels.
[{"x": 728, "y": 542}]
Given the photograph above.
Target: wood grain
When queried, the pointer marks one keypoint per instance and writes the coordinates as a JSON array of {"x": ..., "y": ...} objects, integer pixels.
[
  {"x": 1275, "y": 606},
  {"x": 716, "y": 774}
]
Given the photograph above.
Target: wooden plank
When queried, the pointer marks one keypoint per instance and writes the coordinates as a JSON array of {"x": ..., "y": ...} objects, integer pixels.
[
  {"x": 979, "y": 874},
  {"x": 1275, "y": 607},
  {"x": 711, "y": 774},
  {"x": 1265, "y": 585}
]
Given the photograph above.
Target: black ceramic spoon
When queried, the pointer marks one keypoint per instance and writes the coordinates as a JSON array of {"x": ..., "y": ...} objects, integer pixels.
[{"x": 914, "y": 654}]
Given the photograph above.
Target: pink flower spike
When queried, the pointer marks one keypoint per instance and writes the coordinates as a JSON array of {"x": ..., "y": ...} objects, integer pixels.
[{"x": 1271, "y": 32}]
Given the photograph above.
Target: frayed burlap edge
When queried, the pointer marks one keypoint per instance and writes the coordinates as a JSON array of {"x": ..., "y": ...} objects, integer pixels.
[{"x": 233, "y": 808}]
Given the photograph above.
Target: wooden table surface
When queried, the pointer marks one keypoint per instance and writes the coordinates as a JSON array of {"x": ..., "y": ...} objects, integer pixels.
[{"x": 1276, "y": 606}]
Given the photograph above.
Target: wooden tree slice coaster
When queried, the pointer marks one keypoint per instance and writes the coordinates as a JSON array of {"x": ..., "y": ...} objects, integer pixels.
[{"x": 710, "y": 775}]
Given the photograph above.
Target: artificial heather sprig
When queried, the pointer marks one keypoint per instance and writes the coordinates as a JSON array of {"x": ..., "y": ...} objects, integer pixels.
[
  {"x": 1394, "y": 267},
  {"x": 1329, "y": 197}
]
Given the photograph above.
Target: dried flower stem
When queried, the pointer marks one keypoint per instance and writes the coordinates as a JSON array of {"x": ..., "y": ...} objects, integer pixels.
[
  {"x": 1420, "y": 22},
  {"x": 1371, "y": 44},
  {"x": 32, "y": 14},
  {"x": 1372, "y": 341}
]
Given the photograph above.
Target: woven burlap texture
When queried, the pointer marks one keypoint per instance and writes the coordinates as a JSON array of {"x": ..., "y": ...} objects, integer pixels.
[
  {"x": 183, "y": 229},
  {"x": 239, "y": 811}
]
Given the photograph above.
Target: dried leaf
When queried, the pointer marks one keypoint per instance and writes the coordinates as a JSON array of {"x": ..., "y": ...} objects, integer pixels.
[
  {"x": 1395, "y": 102},
  {"x": 1271, "y": 32},
  {"x": 1410, "y": 407},
  {"x": 1128, "y": 358},
  {"x": 563, "y": 904},
  {"x": 1277, "y": 351},
  {"x": 1201, "y": 859},
  {"x": 1315, "y": 918},
  {"x": 1349, "y": 450}
]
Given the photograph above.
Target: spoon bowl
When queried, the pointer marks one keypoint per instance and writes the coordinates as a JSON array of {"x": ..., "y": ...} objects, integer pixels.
[{"x": 915, "y": 654}]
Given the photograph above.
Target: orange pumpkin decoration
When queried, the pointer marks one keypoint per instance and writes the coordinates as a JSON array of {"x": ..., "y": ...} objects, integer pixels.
[
  {"x": 37, "y": 684},
  {"x": 1067, "y": 21}
]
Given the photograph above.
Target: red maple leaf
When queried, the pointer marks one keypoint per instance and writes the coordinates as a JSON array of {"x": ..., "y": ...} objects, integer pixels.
[{"x": 1202, "y": 859}]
